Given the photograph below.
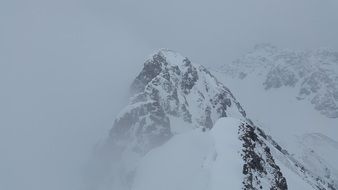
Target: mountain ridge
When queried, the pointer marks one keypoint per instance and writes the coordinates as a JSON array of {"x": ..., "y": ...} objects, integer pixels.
[{"x": 173, "y": 96}]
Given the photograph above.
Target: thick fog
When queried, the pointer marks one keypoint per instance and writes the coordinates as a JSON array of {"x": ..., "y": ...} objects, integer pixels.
[{"x": 65, "y": 66}]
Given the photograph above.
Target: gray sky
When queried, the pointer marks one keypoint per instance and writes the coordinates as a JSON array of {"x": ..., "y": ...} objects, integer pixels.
[
  {"x": 218, "y": 30},
  {"x": 65, "y": 66}
]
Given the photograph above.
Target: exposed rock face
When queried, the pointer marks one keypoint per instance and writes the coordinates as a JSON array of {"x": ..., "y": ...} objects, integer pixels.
[
  {"x": 314, "y": 74},
  {"x": 259, "y": 164}
]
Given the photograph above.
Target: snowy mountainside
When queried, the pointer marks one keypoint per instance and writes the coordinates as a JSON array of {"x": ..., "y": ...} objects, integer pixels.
[
  {"x": 319, "y": 153},
  {"x": 315, "y": 173},
  {"x": 313, "y": 74}
]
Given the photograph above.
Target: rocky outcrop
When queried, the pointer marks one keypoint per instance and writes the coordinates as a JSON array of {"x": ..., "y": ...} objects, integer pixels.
[{"x": 259, "y": 164}]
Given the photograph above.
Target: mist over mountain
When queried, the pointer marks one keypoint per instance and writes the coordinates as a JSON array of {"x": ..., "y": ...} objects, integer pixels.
[
  {"x": 67, "y": 67},
  {"x": 168, "y": 132}
]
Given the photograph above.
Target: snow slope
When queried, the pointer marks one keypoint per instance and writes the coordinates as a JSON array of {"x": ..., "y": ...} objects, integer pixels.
[{"x": 212, "y": 160}]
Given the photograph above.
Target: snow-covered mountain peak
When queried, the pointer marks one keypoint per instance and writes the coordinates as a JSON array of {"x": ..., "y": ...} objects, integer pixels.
[
  {"x": 171, "y": 57},
  {"x": 171, "y": 89},
  {"x": 170, "y": 96}
]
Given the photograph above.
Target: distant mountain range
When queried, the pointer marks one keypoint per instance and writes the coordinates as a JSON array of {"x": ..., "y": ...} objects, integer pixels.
[{"x": 313, "y": 74}]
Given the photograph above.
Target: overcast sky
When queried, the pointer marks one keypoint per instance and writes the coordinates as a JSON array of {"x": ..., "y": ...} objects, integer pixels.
[
  {"x": 65, "y": 66},
  {"x": 219, "y": 30}
]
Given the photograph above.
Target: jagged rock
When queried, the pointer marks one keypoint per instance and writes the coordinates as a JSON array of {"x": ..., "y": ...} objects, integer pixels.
[
  {"x": 258, "y": 161},
  {"x": 170, "y": 86}
]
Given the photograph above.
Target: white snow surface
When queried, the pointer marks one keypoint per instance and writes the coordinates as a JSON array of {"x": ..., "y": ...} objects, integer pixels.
[{"x": 195, "y": 160}]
